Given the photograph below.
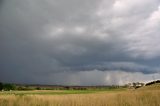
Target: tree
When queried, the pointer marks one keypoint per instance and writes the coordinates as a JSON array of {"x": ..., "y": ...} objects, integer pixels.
[
  {"x": 1, "y": 86},
  {"x": 8, "y": 87},
  {"x": 134, "y": 85}
]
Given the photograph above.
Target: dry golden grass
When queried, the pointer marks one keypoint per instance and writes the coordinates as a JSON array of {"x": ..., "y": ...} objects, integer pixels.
[{"x": 141, "y": 97}]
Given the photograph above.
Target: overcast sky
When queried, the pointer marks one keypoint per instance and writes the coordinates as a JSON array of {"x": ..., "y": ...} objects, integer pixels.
[{"x": 79, "y": 42}]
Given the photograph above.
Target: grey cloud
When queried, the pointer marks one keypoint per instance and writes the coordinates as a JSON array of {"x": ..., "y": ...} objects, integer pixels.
[
  {"x": 96, "y": 77},
  {"x": 43, "y": 38}
]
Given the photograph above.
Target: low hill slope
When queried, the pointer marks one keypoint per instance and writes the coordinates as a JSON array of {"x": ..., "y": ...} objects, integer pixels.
[{"x": 151, "y": 87}]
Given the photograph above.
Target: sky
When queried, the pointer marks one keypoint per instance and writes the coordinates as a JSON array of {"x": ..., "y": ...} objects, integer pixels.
[{"x": 79, "y": 42}]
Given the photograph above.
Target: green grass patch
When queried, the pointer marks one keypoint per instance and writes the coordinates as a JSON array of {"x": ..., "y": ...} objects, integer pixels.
[
  {"x": 41, "y": 92},
  {"x": 58, "y": 92}
]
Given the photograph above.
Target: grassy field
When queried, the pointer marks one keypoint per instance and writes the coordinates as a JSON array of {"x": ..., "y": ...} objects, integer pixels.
[{"x": 146, "y": 96}]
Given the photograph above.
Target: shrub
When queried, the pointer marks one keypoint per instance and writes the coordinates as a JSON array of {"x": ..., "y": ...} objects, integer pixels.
[
  {"x": 8, "y": 87},
  {"x": 1, "y": 86}
]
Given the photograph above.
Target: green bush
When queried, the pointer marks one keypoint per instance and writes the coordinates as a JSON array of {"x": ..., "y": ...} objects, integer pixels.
[
  {"x": 1, "y": 86},
  {"x": 8, "y": 87}
]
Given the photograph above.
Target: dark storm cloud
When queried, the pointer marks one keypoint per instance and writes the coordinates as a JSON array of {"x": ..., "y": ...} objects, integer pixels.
[{"x": 55, "y": 41}]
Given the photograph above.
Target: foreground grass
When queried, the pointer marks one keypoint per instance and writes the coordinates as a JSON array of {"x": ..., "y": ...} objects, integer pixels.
[{"x": 143, "y": 97}]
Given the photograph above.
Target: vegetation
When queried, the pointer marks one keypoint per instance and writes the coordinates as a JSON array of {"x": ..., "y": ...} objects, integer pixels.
[
  {"x": 153, "y": 82},
  {"x": 7, "y": 87},
  {"x": 103, "y": 96},
  {"x": 1, "y": 86},
  {"x": 119, "y": 98}
]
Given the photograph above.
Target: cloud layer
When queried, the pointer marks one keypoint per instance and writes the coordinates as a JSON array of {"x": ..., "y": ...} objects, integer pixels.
[{"x": 79, "y": 42}]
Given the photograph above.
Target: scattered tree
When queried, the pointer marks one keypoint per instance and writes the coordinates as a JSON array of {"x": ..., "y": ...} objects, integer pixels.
[
  {"x": 1, "y": 86},
  {"x": 8, "y": 87}
]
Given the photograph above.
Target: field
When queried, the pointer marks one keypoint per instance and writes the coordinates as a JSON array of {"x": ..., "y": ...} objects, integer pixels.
[{"x": 146, "y": 96}]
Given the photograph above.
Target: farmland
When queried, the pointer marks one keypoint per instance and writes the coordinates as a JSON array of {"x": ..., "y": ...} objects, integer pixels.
[{"x": 145, "y": 96}]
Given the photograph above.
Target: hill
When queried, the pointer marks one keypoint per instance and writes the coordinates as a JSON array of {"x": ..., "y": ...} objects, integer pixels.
[{"x": 154, "y": 86}]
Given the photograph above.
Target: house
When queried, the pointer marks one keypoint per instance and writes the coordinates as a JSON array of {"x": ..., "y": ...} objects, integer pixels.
[{"x": 135, "y": 85}]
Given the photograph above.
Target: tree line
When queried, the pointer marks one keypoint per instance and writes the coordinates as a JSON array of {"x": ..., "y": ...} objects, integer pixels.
[{"x": 7, "y": 87}]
